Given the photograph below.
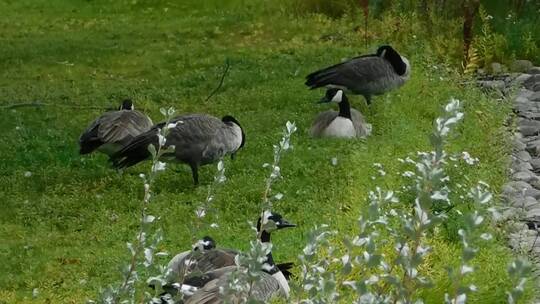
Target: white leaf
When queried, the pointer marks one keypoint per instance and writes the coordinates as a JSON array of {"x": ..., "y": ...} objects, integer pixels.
[
  {"x": 220, "y": 165},
  {"x": 466, "y": 269},
  {"x": 200, "y": 212},
  {"x": 461, "y": 299},
  {"x": 159, "y": 166},
  {"x": 486, "y": 236},
  {"x": 149, "y": 218}
]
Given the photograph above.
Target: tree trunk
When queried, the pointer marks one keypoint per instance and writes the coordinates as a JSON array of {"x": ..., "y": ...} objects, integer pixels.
[{"x": 470, "y": 8}]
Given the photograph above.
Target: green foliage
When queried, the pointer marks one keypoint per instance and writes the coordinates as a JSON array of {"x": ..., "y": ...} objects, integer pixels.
[
  {"x": 66, "y": 218},
  {"x": 330, "y": 8},
  {"x": 491, "y": 46}
]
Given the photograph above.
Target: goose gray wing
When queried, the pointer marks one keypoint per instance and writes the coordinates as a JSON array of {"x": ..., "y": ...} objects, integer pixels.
[
  {"x": 215, "y": 259},
  {"x": 115, "y": 127},
  {"x": 321, "y": 122},
  {"x": 361, "y": 75},
  {"x": 197, "y": 137},
  {"x": 123, "y": 125},
  {"x": 362, "y": 128},
  {"x": 199, "y": 262}
]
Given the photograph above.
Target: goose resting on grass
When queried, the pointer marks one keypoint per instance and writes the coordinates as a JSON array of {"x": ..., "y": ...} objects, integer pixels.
[
  {"x": 367, "y": 75},
  {"x": 198, "y": 139},
  {"x": 207, "y": 284},
  {"x": 347, "y": 123},
  {"x": 113, "y": 130}
]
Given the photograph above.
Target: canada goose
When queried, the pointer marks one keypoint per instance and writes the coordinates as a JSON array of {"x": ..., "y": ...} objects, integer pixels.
[
  {"x": 272, "y": 281},
  {"x": 211, "y": 258},
  {"x": 199, "y": 139},
  {"x": 367, "y": 75},
  {"x": 113, "y": 130},
  {"x": 347, "y": 123}
]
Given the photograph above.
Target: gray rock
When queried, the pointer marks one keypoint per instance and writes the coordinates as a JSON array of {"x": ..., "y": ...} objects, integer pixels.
[
  {"x": 528, "y": 122},
  {"x": 492, "y": 84},
  {"x": 525, "y": 176},
  {"x": 534, "y": 70},
  {"x": 533, "y": 193},
  {"x": 518, "y": 166},
  {"x": 518, "y": 145},
  {"x": 496, "y": 68},
  {"x": 521, "y": 79},
  {"x": 523, "y": 156},
  {"x": 531, "y": 115},
  {"x": 535, "y": 163},
  {"x": 533, "y": 147},
  {"x": 524, "y": 240},
  {"x": 524, "y": 93},
  {"x": 528, "y": 130},
  {"x": 533, "y": 213},
  {"x": 535, "y": 96},
  {"x": 533, "y": 83},
  {"x": 535, "y": 182},
  {"x": 521, "y": 66},
  {"x": 528, "y": 106},
  {"x": 517, "y": 185},
  {"x": 526, "y": 203},
  {"x": 522, "y": 99}
]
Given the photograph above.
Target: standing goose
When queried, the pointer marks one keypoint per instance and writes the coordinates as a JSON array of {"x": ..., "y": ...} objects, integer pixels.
[
  {"x": 113, "y": 130},
  {"x": 347, "y": 123},
  {"x": 199, "y": 139},
  {"x": 272, "y": 281},
  {"x": 367, "y": 75}
]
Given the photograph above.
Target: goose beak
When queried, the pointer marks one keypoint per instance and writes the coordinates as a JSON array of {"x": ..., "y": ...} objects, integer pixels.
[{"x": 284, "y": 224}]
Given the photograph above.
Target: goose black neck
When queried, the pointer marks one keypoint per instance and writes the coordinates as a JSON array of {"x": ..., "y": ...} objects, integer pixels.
[
  {"x": 345, "y": 107},
  {"x": 270, "y": 261},
  {"x": 265, "y": 237}
]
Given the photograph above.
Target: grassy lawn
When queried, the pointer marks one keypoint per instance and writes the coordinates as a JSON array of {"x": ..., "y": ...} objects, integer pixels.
[{"x": 63, "y": 229}]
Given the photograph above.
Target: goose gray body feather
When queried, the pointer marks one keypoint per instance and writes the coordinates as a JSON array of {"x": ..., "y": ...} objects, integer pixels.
[
  {"x": 367, "y": 75},
  {"x": 199, "y": 261},
  {"x": 263, "y": 289},
  {"x": 113, "y": 130}
]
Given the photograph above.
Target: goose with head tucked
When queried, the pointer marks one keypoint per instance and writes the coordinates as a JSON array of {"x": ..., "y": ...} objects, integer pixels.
[
  {"x": 366, "y": 75},
  {"x": 113, "y": 130},
  {"x": 273, "y": 282},
  {"x": 198, "y": 139},
  {"x": 347, "y": 123}
]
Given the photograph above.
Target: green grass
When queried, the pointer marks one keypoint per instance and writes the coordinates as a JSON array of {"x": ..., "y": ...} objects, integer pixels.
[{"x": 63, "y": 229}]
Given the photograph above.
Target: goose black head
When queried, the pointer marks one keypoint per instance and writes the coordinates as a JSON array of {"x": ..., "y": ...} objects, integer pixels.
[
  {"x": 392, "y": 56},
  {"x": 333, "y": 95},
  {"x": 206, "y": 243},
  {"x": 228, "y": 119},
  {"x": 271, "y": 221},
  {"x": 127, "y": 104}
]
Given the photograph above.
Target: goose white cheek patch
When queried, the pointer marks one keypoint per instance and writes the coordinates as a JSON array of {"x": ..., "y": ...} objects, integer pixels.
[{"x": 338, "y": 96}]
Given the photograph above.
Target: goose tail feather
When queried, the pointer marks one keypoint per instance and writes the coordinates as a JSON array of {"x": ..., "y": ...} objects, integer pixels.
[{"x": 136, "y": 151}]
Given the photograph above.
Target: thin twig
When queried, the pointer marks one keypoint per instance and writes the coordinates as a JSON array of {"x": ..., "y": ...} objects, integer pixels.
[{"x": 227, "y": 66}]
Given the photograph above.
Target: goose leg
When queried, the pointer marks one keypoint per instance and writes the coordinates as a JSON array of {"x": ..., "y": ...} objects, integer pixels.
[
  {"x": 233, "y": 155},
  {"x": 195, "y": 173}
]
